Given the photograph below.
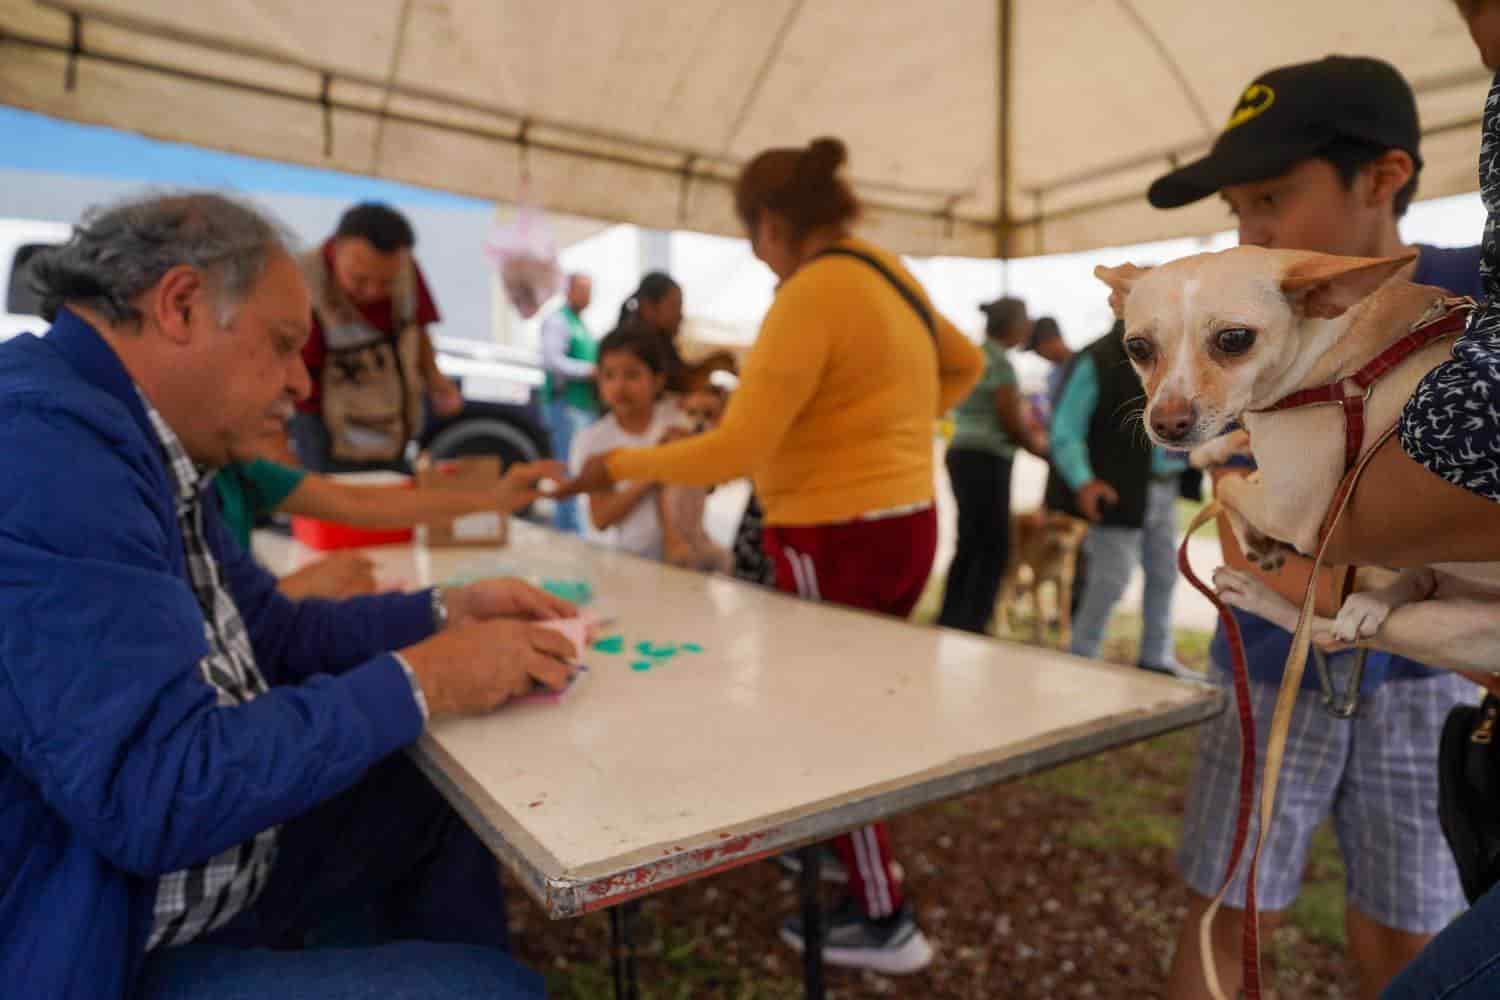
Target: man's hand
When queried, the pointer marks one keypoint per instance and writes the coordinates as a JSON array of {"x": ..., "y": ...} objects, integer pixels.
[
  {"x": 1094, "y": 496},
  {"x": 335, "y": 577},
  {"x": 521, "y": 485},
  {"x": 594, "y": 478},
  {"x": 484, "y": 600},
  {"x": 447, "y": 401},
  {"x": 477, "y": 666}
]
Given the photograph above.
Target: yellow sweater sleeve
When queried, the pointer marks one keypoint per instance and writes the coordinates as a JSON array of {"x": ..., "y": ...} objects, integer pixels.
[
  {"x": 781, "y": 374},
  {"x": 960, "y": 365}
]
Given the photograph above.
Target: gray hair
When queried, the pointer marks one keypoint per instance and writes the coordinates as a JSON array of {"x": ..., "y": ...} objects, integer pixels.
[{"x": 119, "y": 251}]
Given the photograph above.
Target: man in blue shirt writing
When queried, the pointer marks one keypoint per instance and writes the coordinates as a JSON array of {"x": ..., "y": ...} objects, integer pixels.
[{"x": 196, "y": 773}]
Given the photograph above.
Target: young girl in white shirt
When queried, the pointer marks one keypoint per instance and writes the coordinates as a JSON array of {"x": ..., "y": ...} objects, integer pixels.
[{"x": 631, "y": 376}]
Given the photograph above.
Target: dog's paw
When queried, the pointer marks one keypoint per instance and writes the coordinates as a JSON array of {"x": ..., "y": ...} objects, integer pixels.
[
  {"x": 1264, "y": 552},
  {"x": 1247, "y": 592},
  {"x": 1241, "y": 590},
  {"x": 1360, "y": 617}
]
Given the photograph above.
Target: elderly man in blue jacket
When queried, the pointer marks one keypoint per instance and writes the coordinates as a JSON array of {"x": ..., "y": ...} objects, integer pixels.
[{"x": 196, "y": 773}]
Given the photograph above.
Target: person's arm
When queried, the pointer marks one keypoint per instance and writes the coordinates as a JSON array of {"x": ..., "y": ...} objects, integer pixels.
[
  {"x": 368, "y": 506},
  {"x": 781, "y": 374},
  {"x": 1070, "y": 424},
  {"x": 1385, "y": 526},
  {"x": 334, "y": 577},
  {"x": 556, "y": 336},
  {"x": 1010, "y": 410},
  {"x": 673, "y": 540},
  {"x": 960, "y": 364},
  {"x": 608, "y": 508},
  {"x": 447, "y": 400}
]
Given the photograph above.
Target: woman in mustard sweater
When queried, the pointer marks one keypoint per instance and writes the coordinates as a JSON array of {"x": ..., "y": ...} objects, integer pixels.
[{"x": 833, "y": 419}]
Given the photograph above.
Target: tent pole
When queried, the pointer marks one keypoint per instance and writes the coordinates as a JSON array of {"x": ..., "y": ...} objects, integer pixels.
[{"x": 1004, "y": 82}]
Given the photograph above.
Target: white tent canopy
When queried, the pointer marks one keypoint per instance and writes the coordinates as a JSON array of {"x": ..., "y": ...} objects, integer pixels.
[{"x": 643, "y": 110}]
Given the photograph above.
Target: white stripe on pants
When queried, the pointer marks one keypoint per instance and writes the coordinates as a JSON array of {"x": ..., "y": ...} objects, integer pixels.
[{"x": 879, "y": 901}]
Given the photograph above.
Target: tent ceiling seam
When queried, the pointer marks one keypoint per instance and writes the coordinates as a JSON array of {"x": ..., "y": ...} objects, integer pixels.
[
  {"x": 398, "y": 46},
  {"x": 762, "y": 74},
  {"x": 1165, "y": 55}
]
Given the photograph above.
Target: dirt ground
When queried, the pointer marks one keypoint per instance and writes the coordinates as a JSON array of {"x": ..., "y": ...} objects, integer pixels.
[{"x": 1061, "y": 885}]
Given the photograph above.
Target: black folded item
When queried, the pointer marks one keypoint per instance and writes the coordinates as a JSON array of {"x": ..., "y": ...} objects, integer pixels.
[{"x": 1469, "y": 793}]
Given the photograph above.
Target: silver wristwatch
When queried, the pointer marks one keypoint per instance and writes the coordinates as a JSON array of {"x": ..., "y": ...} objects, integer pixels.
[{"x": 439, "y": 608}]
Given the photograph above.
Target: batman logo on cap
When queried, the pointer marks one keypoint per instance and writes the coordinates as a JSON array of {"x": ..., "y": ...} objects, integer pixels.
[{"x": 1255, "y": 100}]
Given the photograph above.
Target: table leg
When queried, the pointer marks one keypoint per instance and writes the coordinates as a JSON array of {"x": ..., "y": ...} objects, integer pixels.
[
  {"x": 812, "y": 922},
  {"x": 622, "y": 951}
]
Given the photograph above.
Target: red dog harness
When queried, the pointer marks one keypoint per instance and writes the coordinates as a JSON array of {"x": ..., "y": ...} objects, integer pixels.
[{"x": 1353, "y": 393}]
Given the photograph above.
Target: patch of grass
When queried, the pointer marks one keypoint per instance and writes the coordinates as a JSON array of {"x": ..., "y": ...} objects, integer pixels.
[
  {"x": 675, "y": 963},
  {"x": 1127, "y": 815}
]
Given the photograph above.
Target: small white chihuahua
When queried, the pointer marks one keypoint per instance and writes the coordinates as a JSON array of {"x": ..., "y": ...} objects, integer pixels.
[{"x": 1222, "y": 339}]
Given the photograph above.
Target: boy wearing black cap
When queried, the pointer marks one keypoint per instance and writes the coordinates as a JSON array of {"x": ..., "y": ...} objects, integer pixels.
[{"x": 1324, "y": 156}]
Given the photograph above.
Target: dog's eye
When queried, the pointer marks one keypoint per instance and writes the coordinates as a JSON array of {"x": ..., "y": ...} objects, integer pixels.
[
  {"x": 1234, "y": 341},
  {"x": 1140, "y": 350}
]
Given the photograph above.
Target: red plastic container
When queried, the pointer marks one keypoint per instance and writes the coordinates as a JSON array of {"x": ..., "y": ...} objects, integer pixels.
[
  {"x": 325, "y": 535},
  {"x": 332, "y": 535}
]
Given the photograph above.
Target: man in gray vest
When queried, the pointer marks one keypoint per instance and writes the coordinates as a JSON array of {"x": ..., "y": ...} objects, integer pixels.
[
  {"x": 568, "y": 355},
  {"x": 371, "y": 360}
]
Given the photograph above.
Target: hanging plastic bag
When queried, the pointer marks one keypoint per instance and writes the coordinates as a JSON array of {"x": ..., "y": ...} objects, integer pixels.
[{"x": 526, "y": 256}]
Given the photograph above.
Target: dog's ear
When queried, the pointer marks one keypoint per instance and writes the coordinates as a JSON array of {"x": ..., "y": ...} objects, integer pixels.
[
  {"x": 1120, "y": 280},
  {"x": 1323, "y": 286}
]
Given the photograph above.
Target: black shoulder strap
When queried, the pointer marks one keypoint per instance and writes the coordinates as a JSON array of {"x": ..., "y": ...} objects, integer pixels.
[{"x": 912, "y": 299}]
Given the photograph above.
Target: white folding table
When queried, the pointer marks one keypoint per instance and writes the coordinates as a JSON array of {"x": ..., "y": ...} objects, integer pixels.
[{"x": 795, "y": 722}]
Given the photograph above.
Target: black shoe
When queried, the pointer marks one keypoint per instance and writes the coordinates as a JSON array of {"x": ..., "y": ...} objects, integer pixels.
[
  {"x": 892, "y": 945},
  {"x": 830, "y": 869}
]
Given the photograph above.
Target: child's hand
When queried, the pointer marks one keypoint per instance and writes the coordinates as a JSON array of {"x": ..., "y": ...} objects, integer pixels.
[{"x": 593, "y": 478}]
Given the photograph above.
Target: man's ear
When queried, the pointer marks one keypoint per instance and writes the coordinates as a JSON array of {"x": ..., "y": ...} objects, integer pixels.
[
  {"x": 1120, "y": 280},
  {"x": 168, "y": 305},
  {"x": 1323, "y": 286}
]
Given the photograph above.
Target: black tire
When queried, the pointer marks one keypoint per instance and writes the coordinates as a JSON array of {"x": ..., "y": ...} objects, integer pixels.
[{"x": 485, "y": 435}]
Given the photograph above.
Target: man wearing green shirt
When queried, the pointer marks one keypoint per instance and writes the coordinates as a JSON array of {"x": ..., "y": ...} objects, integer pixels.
[
  {"x": 568, "y": 355},
  {"x": 988, "y": 426}
]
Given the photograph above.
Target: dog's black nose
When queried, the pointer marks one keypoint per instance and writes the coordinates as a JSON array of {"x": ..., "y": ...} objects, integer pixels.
[{"x": 1173, "y": 420}]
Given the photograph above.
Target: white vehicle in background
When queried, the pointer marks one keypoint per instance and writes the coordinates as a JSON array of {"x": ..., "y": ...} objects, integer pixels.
[
  {"x": 20, "y": 239},
  {"x": 497, "y": 419}
]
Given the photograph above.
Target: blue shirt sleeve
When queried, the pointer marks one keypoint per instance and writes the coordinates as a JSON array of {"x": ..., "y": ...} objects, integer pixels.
[
  {"x": 1070, "y": 424},
  {"x": 103, "y": 708}
]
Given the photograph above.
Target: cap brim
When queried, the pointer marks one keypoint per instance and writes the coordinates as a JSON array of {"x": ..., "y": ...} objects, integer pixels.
[{"x": 1218, "y": 170}]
